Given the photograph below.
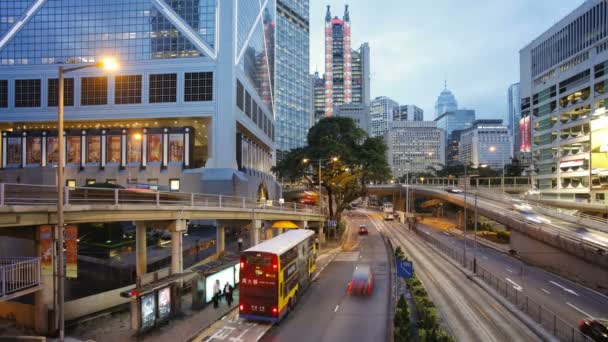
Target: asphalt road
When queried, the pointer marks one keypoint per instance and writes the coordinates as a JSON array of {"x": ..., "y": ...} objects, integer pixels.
[
  {"x": 327, "y": 313},
  {"x": 470, "y": 313},
  {"x": 566, "y": 299}
]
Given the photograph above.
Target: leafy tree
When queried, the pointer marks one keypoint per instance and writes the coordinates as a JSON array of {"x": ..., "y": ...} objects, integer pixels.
[{"x": 359, "y": 159}]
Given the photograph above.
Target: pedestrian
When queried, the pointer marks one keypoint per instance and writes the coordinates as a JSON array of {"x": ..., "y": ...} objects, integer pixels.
[
  {"x": 240, "y": 243},
  {"x": 228, "y": 294},
  {"x": 216, "y": 293}
]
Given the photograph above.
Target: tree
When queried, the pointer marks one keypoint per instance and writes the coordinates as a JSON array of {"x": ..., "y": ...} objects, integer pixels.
[{"x": 359, "y": 158}]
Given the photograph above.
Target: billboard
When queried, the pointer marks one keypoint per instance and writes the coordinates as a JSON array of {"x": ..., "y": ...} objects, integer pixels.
[
  {"x": 599, "y": 145},
  {"x": 71, "y": 251},
  {"x": 46, "y": 250},
  {"x": 525, "y": 134},
  {"x": 148, "y": 311},
  {"x": 222, "y": 277},
  {"x": 164, "y": 303}
]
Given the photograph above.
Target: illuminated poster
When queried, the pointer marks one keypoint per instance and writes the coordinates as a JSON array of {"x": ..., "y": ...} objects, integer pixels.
[
  {"x": 13, "y": 151},
  {"x": 134, "y": 148},
  {"x": 154, "y": 148},
  {"x": 46, "y": 250},
  {"x": 219, "y": 279},
  {"x": 525, "y": 131},
  {"x": 148, "y": 311},
  {"x": 93, "y": 149},
  {"x": 52, "y": 150},
  {"x": 176, "y": 147},
  {"x": 114, "y": 148},
  {"x": 599, "y": 144},
  {"x": 73, "y": 156},
  {"x": 164, "y": 303},
  {"x": 34, "y": 150},
  {"x": 71, "y": 251}
]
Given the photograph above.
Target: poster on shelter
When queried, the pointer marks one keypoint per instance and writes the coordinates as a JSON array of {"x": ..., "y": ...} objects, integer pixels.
[
  {"x": 46, "y": 250},
  {"x": 71, "y": 251}
]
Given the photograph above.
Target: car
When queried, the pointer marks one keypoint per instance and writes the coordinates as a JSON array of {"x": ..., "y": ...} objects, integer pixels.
[
  {"x": 362, "y": 282},
  {"x": 363, "y": 230},
  {"x": 454, "y": 190},
  {"x": 595, "y": 328}
]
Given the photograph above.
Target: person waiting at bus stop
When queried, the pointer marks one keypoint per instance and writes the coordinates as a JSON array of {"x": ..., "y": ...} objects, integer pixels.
[
  {"x": 228, "y": 294},
  {"x": 216, "y": 293}
]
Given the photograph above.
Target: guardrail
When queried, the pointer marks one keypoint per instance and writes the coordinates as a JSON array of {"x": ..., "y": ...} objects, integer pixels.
[
  {"x": 549, "y": 320},
  {"x": 17, "y": 274},
  {"x": 32, "y": 195}
]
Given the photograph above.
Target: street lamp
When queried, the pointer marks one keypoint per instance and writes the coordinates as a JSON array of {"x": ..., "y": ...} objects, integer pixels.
[
  {"x": 466, "y": 180},
  {"x": 475, "y": 236},
  {"x": 107, "y": 64},
  {"x": 306, "y": 161},
  {"x": 502, "y": 159}
]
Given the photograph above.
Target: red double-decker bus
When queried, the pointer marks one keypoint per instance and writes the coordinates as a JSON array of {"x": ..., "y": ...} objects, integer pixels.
[{"x": 274, "y": 273}]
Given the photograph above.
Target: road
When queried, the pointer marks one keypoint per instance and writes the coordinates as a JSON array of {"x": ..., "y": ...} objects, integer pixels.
[
  {"x": 566, "y": 299},
  {"x": 470, "y": 313},
  {"x": 327, "y": 313}
]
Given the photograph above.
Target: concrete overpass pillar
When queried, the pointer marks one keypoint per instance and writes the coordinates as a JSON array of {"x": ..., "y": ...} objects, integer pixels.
[
  {"x": 256, "y": 228},
  {"x": 177, "y": 228},
  {"x": 141, "y": 249},
  {"x": 220, "y": 239}
]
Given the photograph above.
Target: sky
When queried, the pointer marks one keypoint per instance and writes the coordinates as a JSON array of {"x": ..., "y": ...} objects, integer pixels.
[{"x": 415, "y": 45}]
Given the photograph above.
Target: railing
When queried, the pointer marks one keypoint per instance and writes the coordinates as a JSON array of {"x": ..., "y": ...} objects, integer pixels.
[
  {"x": 549, "y": 320},
  {"x": 24, "y": 194},
  {"x": 17, "y": 274}
]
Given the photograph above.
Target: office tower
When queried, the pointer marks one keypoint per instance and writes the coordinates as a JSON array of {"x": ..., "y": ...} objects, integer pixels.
[
  {"x": 486, "y": 142},
  {"x": 359, "y": 112},
  {"x": 451, "y": 121},
  {"x": 408, "y": 113},
  {"x": 563, "y": 100},
  {"x": 318, "y": 84},
  {"x": 380, "y": 115},
  {"x": 514, "y": 114},
  {"x": 446, "y": 102}
]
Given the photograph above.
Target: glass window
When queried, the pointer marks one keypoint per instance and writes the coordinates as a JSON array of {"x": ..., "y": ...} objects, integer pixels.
[
  {"x": 13, "y": 151},
  {"x": 3, "y": 93},
  {"x": 68, "y": 92},
  {"x": 27, "y": 93},
  {"x": 240, "y": 94},
  {"x": 71, "y": 183},
  {"x": 91, "y": 181},
  {"x": 174, "y": 184},
  {"x": 111, "y": 181},
  {"x": 163, "y": 88},
  {"x": 93, "y": 149},
  {"x": 52, "y": 150},
  {"x": 127, "y": 89},
  {"x": 94, "y": 91},
  {"x": 73, "y": 156},
  {"x": 198, "y": 86},
  {"x": 176, "y": 147},
  {"x": 134, "y": 148},
  {"x": 247, "y": 104},
  {"x": 113, "y": 148},
  {"x": 34, "y": 150},
  {"x": 154, "y": 148}
]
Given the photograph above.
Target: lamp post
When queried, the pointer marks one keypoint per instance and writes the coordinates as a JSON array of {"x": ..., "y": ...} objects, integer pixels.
[
  {"x": 465, "y": 221},
  {"x": 108, "y": 64},
  {"x": 305, "y": 161},
  {"x": 502, "y": 162}
]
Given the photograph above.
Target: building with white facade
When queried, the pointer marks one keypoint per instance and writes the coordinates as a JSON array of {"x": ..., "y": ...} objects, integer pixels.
[
  {"x": 192, "y": 105},
  {"x": 446, "y": 102},
  {"x": 408, "y": 113},
  {"x": 486, "y": 142},
  {"x": 414, "y": 147},
  {"x": 563, "y": 84},
  {"x": 380, "y": 115},
  {"x": 359, "y": 112}
]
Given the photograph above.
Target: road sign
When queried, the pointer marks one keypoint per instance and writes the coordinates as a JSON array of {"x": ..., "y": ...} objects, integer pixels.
[
  {"x": 332, "y": 223},
  {"x": 405, "y": 268}
]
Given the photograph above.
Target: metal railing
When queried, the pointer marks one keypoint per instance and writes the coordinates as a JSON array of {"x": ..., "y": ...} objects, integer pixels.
[
  {"x": 17, "y": 274},
  {"x": 549, "y": 320},
  {"x": 32, "y": 195}
]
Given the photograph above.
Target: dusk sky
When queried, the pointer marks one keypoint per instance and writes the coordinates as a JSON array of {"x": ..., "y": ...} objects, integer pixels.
[{"x": 416, "y": 44}]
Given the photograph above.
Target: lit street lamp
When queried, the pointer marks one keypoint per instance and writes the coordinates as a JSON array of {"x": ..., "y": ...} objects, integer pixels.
[{"x": 108, "y": 64}]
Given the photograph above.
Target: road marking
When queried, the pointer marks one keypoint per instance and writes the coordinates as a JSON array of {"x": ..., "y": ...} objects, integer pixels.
[
  {"x": 336, "y": 309},
  {"x": 431, "y": 277},
  {"x": 446, "y": 233},
  {"x": 564, "y": 288},
  {"x": 427, "y": 233},
  {"x": 509, "y": 270},
  {"x": 545, "y": 291},
  {"x": 516, "y": 286},
  {"x": 497, "y": 309},
  {"x": 579, "y": 310}
]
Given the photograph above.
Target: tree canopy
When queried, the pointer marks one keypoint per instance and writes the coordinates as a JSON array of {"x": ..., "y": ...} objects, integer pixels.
[{"x": 348, "y": 159}]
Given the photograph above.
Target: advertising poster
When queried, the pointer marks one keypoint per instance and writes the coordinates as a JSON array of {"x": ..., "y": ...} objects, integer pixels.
[
  {"x": 218, "y": 280},
  {"x": 34, "y": 150},
  {"x": 154, "y": 148},
  {"x": 164, "y": 303},
  {"x": 148, "y": 311},
  {"x": 599, "y": 145},
  {"x": 71, "y": 251},
  {"x": 525, "y": 134},
  {"x": 46, "y": 250}
]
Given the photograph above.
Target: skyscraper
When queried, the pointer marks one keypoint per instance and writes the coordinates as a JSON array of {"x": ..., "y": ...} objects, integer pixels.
[
  {"x": 514, "y": 114},
  {"x": 486, "y": 142},
  {"x": 451, "y": 121},
  {"x": 446, "y": 102},
  {"x": 293, "y": 91},
  {"x": 408, "y": 113},
  {"x": 346, "y": 70},
  {"x": 318, "y": 85},
  {"x": 380, "y": 115}
]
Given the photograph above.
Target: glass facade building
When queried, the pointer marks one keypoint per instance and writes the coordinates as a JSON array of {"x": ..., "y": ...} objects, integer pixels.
[
  {"x": 408, "y": 113},
  {"x": 380, "y": 115},
  {"x": 514, "y": 114},
  {"x": 446, "y": 102},
  {"x": 193, "y": 99},
  {"x": 293, "y": 93},
  {"x": 451, "y": 121}
]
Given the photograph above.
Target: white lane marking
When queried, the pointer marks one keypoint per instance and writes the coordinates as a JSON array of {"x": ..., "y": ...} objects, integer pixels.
[
  {"x": 509, "y": 270},
  {"x": 564, "y": 288},
  {"x": 545, "y": 291},
  {"x": 336, "y": 309},
  {"x": 579, "y": 310},
  {"x": 516, "y": 286},
  {"x": 427, "y": 233},
  {"x": 446, "y": 233}
]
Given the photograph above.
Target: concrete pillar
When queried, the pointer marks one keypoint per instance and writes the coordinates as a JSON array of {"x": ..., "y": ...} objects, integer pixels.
[
  {"x": 254, "y": 231},
  {"x": 220, "y": 241},
  {"x": 177, "y": 228},
  {"x": 141, "y": 249}
]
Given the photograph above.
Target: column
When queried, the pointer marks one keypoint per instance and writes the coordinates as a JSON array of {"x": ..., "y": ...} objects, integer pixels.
[
  {"x": 177, "y": 228},
  {"x": 254, "y": 231},
  {"x": 141, "y": 249},
  {"x": 220, "y": 239}
]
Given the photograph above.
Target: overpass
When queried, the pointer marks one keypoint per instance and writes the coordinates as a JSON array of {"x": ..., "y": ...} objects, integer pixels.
[{"x": 559, "y": 245}]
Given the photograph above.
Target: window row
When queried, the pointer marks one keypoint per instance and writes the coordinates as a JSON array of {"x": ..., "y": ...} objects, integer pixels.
[
  {"x": 99, "y": 147},
  {"x": 198, "y": 86},
  {"x": 247, "y": 104}
]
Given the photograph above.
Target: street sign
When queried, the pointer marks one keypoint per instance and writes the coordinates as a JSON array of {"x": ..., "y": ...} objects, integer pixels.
[
  {"x": 332, "y": 223},
  {"x": 405, "y": 268}
]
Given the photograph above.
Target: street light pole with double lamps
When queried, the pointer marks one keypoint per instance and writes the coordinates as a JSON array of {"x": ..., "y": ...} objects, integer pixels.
[
  {"x": 108, "y": 64},
  {"x": 305, "y": 161}
]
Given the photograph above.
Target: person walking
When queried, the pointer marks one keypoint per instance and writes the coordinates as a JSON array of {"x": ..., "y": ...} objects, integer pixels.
[
  {"x": 216, "y": 293},
  {"x": 228, "y": 294}
]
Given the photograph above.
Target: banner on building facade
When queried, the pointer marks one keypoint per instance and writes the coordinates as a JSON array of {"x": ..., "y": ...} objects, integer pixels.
[
  {"x": 46, "y": 250},
  {"x": 71, "y": 251},
  {"x": 599, "y": 145},
  {"x": 525, "y": 134}
]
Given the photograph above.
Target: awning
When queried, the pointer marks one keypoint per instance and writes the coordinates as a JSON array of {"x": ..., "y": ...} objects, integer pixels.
[{"x": 284, "y": 225}]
